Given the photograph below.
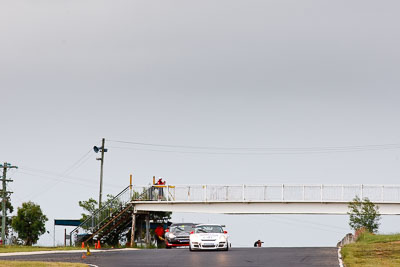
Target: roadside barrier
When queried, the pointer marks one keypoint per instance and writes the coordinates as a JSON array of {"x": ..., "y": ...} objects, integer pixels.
[{"x": 348, "y": 239}]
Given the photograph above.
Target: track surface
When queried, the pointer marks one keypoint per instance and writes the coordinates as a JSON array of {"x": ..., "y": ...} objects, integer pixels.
[{"x": 236, "y": 257}]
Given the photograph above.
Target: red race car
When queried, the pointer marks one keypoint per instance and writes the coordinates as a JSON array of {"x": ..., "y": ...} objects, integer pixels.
[{"x": 177, "y": 235}]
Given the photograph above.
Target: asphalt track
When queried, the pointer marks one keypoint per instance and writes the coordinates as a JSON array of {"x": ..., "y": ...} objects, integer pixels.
[{"x": 236, "y": 257}]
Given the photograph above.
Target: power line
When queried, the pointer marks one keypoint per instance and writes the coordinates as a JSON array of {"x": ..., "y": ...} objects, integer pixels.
[
  {"x": 49, "y": 177},
  {"x": 15, "y": 195},
  {"x": 258, "y": 153},
  {"x": 64, "y": 181},
  {"x": 282, "y": 149},
  {"x": 54, "y": 176},
  {"x": 82, "y": 159}
]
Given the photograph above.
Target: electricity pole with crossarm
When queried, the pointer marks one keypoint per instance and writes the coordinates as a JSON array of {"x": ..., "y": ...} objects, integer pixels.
[{"x": 4, "y": 192}]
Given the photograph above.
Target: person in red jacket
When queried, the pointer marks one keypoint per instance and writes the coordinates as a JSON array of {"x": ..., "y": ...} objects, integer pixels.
[
  {"x": 160, "y": 189},
  {"x": 258, "y": 243},
  {"x": 159, "y": 233}
]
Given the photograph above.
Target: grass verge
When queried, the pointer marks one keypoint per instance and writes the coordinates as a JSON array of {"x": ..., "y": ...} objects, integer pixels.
[
  {"x": 39, "y": 264},
  {"x": 8, "y": 249},
  {"x": 373, "y": 250}
]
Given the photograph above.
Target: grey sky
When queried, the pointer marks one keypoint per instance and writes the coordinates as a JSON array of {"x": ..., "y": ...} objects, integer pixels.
[{"x": 200, "y": 73}]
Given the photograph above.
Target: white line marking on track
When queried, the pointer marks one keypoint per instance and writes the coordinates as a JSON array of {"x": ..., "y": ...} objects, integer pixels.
[{"x": 340, "y": 257}]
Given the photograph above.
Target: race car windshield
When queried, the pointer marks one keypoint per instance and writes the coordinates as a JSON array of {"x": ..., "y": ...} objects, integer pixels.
[
  {"x": 209, "y": 229},
  {"x": 181, "y": 228}
]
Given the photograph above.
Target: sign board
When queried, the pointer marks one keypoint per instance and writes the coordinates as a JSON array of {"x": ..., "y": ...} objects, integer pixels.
[{"x": 66, "y": 222}]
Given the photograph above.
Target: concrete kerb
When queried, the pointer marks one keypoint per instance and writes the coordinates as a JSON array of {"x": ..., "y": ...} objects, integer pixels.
[
  {"x": 340, "y": 257},
  {"x": 62, "y": 251},
  {"x": 348, "y": 239}
]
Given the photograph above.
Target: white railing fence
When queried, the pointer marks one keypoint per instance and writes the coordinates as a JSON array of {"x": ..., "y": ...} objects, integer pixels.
[{"x": 267, "y": 193}]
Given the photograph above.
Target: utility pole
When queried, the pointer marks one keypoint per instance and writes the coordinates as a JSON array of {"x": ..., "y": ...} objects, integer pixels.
[
  {"x": 102, "y": 150},
  {"x": 4, "y": 200}
]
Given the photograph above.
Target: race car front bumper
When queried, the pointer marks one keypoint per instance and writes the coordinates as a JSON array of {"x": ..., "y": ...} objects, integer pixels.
[{"x": 209, "y": 245}]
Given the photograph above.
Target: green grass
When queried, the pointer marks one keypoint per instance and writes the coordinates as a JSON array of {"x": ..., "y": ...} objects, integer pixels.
[
  {"x": 368, "y": 238},
  {"x": 39, "y": 264},
  {"x": 373, "y": 250},
  {"x": 8, "y": 249}
]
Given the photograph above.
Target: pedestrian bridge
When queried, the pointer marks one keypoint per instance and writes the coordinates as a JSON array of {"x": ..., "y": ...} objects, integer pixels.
[
  {"x": 120, "y": 212},
  {"x": 263, "y": 199}
]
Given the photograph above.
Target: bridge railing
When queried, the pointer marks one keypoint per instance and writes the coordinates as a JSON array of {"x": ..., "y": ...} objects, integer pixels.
[{"x": 269, "y": 193}]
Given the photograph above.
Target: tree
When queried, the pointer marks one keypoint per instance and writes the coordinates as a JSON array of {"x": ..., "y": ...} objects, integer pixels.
[
  {"x": 29, "y": 223},
  {"x": 9, "y": 210},
  {"x": 364, "y": 213},
  {"x": 88, "y": 206}
]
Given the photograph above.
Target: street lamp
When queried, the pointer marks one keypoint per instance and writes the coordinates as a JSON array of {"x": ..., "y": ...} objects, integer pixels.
[{"x": 101, "y": 149}]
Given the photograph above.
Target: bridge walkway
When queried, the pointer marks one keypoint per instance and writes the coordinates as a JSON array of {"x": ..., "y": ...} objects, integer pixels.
[{"x": 116, "y": 215}]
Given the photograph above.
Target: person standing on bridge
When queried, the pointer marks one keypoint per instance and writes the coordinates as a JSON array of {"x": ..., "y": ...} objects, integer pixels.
[{"x": 160, "y": 182}]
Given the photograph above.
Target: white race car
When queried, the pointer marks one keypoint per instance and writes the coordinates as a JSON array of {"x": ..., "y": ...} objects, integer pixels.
[{"x": 209, "y": 236}]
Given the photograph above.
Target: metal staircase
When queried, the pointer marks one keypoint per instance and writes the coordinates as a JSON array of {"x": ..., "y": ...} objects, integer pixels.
[
  {"x": 116, "y": 215},
  {"x": 110, "y": 219}
]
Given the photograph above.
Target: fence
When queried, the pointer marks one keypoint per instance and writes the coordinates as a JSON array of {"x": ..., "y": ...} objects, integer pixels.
[{"x": 269, "y": 193}]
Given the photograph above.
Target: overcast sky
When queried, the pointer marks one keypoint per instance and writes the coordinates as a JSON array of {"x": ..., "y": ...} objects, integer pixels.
[{"x": 277, "y": 74}]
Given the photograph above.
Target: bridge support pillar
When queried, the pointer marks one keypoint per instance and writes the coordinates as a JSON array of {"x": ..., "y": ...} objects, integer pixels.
[
  {"x": 133, "y": 229},
  {"x": 148, "y": 230}
]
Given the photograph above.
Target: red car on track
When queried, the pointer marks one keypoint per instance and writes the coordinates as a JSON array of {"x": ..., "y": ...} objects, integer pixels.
[{"x": 177, "y": 235}]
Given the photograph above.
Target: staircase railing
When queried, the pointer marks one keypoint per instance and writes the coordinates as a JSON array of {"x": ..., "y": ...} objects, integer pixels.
[
  {"x": 101, "y": 215},
  {"x": 113, "y": 207}
]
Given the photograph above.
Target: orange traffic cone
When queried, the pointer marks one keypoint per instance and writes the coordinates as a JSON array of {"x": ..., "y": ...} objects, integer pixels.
[
  {"x": 98, "y": 244},
  {"x": 83, "y": 256},
  {"x": 83, "y": 244},
  {"x": 95, "y": 245}
]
